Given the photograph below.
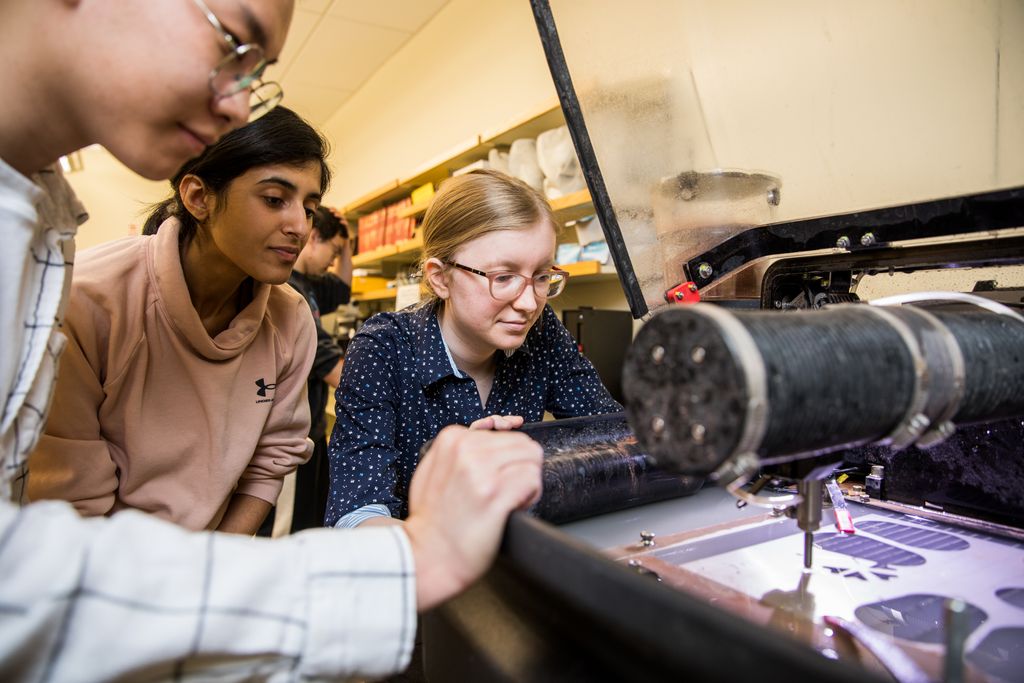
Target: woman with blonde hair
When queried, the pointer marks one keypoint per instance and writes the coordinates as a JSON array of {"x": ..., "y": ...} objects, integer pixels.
[{"x": 485, "y": 350}]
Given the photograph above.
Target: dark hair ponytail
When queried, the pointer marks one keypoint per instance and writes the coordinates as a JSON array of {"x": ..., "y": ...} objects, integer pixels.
[
  {"x": 278, "y": 137},
  {"x": 158, "y": 213}
]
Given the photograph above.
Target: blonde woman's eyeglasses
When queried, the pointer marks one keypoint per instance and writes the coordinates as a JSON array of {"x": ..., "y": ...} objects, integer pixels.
[{"x": 506, "y": 285}]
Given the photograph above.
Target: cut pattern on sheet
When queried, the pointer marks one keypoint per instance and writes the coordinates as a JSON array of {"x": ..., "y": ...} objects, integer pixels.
[{"x": 919, "y": 618}]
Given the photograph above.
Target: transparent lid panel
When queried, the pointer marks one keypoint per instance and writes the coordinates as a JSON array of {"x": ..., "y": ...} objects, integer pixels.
[{"x": 709, "y": 118}]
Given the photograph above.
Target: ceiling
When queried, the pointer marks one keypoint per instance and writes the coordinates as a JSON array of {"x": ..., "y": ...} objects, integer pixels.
[{"x": 334, "y": 46}]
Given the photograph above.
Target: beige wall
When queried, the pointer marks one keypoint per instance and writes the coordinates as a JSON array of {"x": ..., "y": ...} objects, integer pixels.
[
  {"x": 115, "y": 197},
  {"x": 473, "y": 69},
  {"x": 478, "y": 66}
]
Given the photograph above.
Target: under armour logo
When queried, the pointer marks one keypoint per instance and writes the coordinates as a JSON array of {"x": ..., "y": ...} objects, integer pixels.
[{"x": 264, "y": 387}]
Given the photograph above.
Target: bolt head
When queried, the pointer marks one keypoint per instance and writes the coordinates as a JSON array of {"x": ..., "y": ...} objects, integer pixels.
[
  {"x": 843, "y": 242},
  {"x": 698, "y": 432},
  {"x": 705, "y": 271}
]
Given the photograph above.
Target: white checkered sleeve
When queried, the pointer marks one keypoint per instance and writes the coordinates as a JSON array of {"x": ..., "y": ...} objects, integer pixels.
[
  {"x": 357, "y": 517},
  {"x": 134, "y": 597}
]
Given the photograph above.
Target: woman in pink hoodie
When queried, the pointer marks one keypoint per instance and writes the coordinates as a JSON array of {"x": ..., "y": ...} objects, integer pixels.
[{"x": 182, "y": 391}]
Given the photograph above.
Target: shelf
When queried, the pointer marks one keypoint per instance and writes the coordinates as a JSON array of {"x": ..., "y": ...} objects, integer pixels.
[
  {"x": 385, "y": 190},
  {"x": 371, "y": 257},
  {"x": 414, "y": 211},
  {"x": 376, "y": 295},
  {"x": 583, "y": 272},
  {"x": 405, "y": 251},
  {"x": 384, "y": 294},
  {"x": 581, "y": 268},
  {"x": 568, "y": 208},
  {"x": 472, "y": 149},
  {"x": 433, "y": 171},
  {"x": 572, "y": 207},
  {"x": 362, "y": 283},
  {"x": 412, "y": 245},
  {"x": 530, "y": 126}
]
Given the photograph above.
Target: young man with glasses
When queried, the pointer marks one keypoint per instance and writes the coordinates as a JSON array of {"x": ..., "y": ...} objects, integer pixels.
[
  {"x": 156, "y": 82},
  {"x": 485, "y": 350}
]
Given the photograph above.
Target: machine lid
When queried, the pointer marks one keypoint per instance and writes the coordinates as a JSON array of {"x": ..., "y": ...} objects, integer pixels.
[{"x": 714, "y": 133}]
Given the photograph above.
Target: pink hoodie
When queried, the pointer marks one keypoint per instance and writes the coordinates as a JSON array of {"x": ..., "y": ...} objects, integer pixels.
[{"x": 152, "y": 413}]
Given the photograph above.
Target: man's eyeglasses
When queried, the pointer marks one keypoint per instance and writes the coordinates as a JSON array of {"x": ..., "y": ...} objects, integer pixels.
[
  {"x": 241, "y": 69},
  {"x": 507, "y": 286}
]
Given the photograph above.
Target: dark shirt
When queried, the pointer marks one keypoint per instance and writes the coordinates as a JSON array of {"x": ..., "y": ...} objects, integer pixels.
[
  {"x": 323, "y": 293},
  {"x": 398, "y": 390}
]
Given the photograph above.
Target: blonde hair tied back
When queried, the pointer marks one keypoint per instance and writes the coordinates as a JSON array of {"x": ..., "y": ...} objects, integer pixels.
[{"x": 477, "y": 203}]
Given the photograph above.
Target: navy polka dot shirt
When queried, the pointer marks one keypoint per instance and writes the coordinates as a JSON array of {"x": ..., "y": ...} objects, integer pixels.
[{"x": 399, "y": 388}]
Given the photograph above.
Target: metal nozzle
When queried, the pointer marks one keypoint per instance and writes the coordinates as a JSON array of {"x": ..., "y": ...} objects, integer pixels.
[{"x": 808, "y": 514}]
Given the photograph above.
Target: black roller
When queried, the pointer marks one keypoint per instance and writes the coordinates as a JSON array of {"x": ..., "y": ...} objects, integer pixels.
[
  {"x": 993, "y": 353},
  {"x": 593, "y": 465},
  {"x": 834, "y": 379},
  {"x": 703, "y": 384}
]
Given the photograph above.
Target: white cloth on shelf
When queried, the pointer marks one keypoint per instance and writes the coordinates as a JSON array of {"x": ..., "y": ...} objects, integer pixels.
[
  {"x": 522, "y": 162},
  {"x": 556, "y": 157}
]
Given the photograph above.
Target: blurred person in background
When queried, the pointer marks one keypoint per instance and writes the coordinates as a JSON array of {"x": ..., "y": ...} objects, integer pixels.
[{"x": 323, "y": 275}]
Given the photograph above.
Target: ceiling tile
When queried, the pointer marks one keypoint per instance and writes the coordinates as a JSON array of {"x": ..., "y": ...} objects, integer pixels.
[
  {"x": 319, "y": 6},
  {"x": 314, "y": 103},
  {"x": 342, "y": 54},
  {"x": 406, "y": 15},
  {"x": 303, "y": 23}
]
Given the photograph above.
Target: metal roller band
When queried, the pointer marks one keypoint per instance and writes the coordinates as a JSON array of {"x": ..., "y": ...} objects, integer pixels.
[
  {"x": 914, "y": 421},
  {"x": 946, "y": 373},
  {"x": 744, "y": 349}
]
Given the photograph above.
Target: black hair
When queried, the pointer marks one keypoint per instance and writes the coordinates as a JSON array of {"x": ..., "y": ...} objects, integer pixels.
[
  {"x": 278, "y": 137},
  {"x": 328, "y": 226}
]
